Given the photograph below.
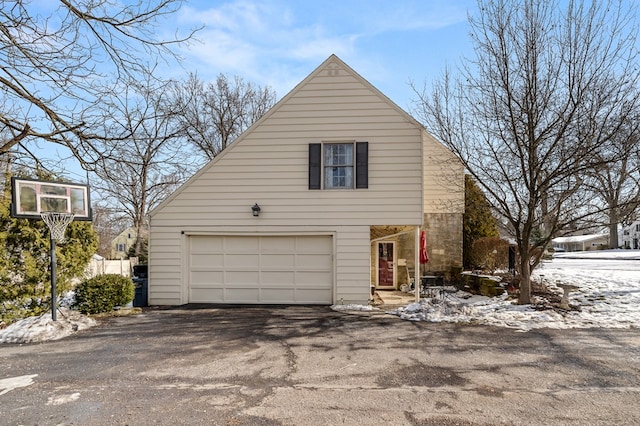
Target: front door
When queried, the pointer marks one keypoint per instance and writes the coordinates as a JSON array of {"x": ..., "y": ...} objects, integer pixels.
[{"x": 386, "y": 265}]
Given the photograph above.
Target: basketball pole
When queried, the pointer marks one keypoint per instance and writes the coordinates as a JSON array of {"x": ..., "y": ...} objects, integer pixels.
[
  {"x": 57, "y": 223},
  {"x": 52, "y": 256}
]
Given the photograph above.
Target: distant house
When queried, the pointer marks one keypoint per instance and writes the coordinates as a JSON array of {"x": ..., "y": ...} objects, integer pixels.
[
  {"x": 121, "y": 244},
  {"x": 581, "y": 242},
  {"x": 321, "y": 199},
  {"x": 631, "y": 236}
]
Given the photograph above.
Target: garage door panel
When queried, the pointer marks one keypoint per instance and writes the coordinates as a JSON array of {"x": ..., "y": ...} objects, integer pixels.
[
  {"x": 242, "y": 260},
  {"x": 206, "y": 295},
  {"x": 313, "y": 278},
  {"x": 278, "y": 244},
  {"x": 313, "y": 261},
  {"x": 278, "y": 261},
  {"x": 242, "y": 295},
  {"x": 239, "y": 278},
  {"x": 202, "y": 260},
  {"x": 206, "y": 243},
  {"x": 313, "y": 296},
  {"x": 286, "y": 278},
  {"x": 312, "y": 244},
  {"x": 241, "y": 244},
  {"x": 207, "y": 277},
  {"x": 276, "y": 295},
  {"x": 261, "y": 269}
]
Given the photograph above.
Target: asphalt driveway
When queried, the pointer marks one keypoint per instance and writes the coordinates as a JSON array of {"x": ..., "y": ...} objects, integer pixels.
[{"x": 313, "y": 366}]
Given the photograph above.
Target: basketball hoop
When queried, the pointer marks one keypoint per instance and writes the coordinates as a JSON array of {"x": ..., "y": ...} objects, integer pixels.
[
  {"x": 57, "y": 223},
  {"x": 57, "y": 204}
]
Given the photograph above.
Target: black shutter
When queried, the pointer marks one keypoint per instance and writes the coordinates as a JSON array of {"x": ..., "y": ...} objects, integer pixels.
[
  {"x": 315, "y": 165},
  {"x": 362, "y": 164}
]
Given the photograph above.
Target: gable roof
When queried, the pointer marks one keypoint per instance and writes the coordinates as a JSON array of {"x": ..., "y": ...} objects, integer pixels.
[{"x": 323, "y": 66}]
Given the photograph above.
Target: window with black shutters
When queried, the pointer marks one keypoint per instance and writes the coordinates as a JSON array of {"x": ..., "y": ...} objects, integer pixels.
[{"x": 338, "y": 165}]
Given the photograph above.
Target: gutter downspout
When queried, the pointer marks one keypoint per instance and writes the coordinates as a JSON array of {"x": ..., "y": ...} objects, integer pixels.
[{"x": 416, "y": 273}]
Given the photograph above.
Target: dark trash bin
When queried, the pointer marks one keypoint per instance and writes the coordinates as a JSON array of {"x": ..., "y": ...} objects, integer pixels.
[
  {"x": 142, "y": 292},
  {"x": 140, "y": 271},
  {"x": 141, "y": 283}
]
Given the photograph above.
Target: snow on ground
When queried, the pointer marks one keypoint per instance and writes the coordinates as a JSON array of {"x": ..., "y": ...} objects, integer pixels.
[
  {"x": 43, "y": 328},
  {"x": 351, "y": 307},
  {"x": 608, "y": 296}
]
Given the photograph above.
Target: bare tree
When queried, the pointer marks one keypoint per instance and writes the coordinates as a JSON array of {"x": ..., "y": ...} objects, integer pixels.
[
  {"x": 617, "y": 183},
  {"x": 138, "y": 174},
  {"x": 60, "y": 63},
  {"x": 108, "y": 224},
  {"x": 212, "y": 115},
  {"x": 550, "y": 83}
]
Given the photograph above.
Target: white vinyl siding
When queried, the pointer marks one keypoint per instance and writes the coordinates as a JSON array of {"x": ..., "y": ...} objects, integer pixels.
[
  {"x": 352, "y": 265},
  {"x": 443, "y": 178},
  {"x": 166, "y": 267}
]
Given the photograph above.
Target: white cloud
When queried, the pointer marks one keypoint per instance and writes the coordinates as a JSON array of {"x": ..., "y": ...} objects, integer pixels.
[{"x": 254, "y": 39}]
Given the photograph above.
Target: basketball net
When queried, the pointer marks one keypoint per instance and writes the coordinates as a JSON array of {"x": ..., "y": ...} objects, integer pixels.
[{"x": 57, "y": 223}]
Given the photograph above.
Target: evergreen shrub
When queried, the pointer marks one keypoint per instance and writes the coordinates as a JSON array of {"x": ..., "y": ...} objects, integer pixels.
[{"x": 103, "y": 293}]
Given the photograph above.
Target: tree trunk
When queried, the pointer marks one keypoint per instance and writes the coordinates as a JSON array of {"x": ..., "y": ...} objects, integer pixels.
[
  {"x": 613, "y": 235},
  {"x": 524, "y": 297},
  {"x": 138, "y": 243},
  {"x": 613, "y": 228}
]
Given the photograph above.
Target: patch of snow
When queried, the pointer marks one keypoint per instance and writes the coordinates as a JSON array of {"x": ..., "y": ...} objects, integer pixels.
[
  {"x": 623, "y": 254},
  {"x": 608, "y": 296},
  {"x": 43, "y": 328},
  {"x": 353, "y": 307},
  {"x": 68, "y": 299},
  {"x": 63, "y": 399},
  {"x": 12, "y": 383}
]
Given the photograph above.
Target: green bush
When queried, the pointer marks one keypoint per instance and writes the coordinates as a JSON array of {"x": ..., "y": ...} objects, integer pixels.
[{"x": 103, "y": 293}]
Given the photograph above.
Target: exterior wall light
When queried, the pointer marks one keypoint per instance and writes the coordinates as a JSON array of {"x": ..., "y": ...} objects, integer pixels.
[{"x": 256, "y": 210}]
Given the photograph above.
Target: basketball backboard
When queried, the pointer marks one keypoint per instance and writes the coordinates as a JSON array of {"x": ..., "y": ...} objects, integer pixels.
[{"x": 31, "y": 198}]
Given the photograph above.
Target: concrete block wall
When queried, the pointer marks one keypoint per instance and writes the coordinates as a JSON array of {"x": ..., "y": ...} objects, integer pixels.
[{"x": 444, "y": 243}]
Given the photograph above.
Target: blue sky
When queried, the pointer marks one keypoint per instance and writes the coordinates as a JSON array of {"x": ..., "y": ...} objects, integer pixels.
[{"x": 279, "y": 42}]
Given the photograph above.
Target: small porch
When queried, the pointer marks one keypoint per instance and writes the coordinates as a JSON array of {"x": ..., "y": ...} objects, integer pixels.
[{"x": 395, "y": 253}]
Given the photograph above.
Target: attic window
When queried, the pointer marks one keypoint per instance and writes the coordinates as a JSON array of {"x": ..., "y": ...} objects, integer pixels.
[{"x": 338, "y": 165}]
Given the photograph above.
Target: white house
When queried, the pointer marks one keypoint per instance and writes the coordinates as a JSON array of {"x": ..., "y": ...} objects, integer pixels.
[
  {"x": 121, "y": 244},
  {"x": 313, "y": 204},
  {"x": 631, "y": 235},
  {"x": 581, "y": 242}
]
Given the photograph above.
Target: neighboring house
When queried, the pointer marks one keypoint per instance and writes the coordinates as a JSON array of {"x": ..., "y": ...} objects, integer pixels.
[
  {"x": 581, "y": 242},
  {"x": 341, "y": 181},
  {"x": 631, "y": 236},
  {"x": 121, "y": 244}
]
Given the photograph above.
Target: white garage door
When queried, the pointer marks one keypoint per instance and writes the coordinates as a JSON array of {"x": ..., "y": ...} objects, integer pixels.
[{"x": 261, "y": 269}]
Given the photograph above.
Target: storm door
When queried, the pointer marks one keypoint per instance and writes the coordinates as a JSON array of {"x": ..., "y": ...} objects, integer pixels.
[{"x": 386, "y": 265}]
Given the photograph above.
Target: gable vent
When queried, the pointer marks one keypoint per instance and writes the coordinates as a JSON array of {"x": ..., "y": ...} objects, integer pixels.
[{"x": 333, "y": 70}]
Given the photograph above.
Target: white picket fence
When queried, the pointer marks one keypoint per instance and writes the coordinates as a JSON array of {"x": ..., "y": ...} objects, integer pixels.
[{"x": 101, "y": 266}]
